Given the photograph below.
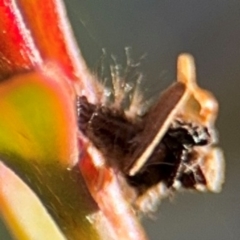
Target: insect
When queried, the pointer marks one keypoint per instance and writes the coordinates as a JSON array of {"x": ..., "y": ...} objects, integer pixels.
[{"x": 170, "y": 147}]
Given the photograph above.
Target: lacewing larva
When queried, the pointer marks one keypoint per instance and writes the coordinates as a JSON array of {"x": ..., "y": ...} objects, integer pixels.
[{"x": 170, "y": 147}]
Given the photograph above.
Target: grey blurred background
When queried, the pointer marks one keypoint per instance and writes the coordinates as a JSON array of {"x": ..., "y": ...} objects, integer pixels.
[{"x": 161, "y": 29}]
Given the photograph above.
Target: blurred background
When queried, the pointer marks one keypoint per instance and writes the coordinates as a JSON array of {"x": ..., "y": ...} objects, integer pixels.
[{"x": 159, "y": 30}]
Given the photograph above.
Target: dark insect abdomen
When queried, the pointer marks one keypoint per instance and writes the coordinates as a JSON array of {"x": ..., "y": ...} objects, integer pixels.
[
  {"x": 109, "y": 130},
  {"x": 118, "y": 139}
]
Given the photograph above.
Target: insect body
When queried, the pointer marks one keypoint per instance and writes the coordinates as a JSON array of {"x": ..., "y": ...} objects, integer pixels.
[{"x": 167, "y": 145}]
